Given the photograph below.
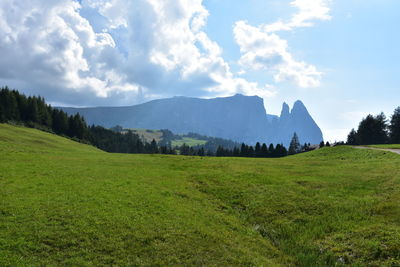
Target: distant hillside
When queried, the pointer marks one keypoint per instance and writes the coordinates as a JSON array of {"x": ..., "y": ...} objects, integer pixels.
[
  {"x": 169, "y": 139},
  {"x": 147, "y": 135},
  {"x": 238, "y": 118}
]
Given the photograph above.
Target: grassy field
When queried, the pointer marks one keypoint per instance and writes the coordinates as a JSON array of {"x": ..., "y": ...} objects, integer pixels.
[
  {"x": 64, "y": 203},
  {"x": 148, "y": 135},
  {"x": 393, "y": 146},
  {"x": 188, "y": 141}
]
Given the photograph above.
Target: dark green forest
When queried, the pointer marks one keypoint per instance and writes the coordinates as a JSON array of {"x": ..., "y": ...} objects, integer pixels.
[{"x": 375, "y": 130}]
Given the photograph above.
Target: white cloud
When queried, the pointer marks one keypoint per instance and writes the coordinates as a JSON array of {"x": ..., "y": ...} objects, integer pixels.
[
  {"x": 266, "y": 51},
  {"x": 263, "y": 49},
  {"x": 139, "y": 50},
  {"x": 49, "y": 45},
  {"x": 308, "y": 12}
]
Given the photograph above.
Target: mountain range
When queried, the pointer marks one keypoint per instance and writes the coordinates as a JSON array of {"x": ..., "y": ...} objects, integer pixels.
[{"x": 239, "y": 118}]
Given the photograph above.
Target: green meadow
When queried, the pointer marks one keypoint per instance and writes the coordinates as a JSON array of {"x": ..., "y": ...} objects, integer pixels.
[
  {"x": 148, "y": 135},
  {"x": 188, "y": 141},
  {"x": 66, "y": 203}
]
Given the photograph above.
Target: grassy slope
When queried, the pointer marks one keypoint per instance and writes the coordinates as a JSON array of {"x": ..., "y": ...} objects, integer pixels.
[
  {"x": 188, "y": 141},
  {"x": 393, "y": 146},
  {"x": 68, "y": 203},
  {"x": 148, "y": 135}
]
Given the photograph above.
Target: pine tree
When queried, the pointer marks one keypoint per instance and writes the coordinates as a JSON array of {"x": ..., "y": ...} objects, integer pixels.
[
  {"x": 8, "y": 106},
  {"x": 33, "y": 112},
  {"x": 352, "y": 137},
  {"x": 2, "y": 106},
  {"x": 280, "y": 151},
  {"x": 395, "y": 127},
  {"x": 381, "y": 129},
  {"x": 257, "y": 150},
  {"x": 201, "y": 152},
  {"x": 13, "y": 111},
  {"x": 44, "y": 116},
  {"x": 284, "y": 151},
  {"x": 220, "y": 151},
  {"x": 244, "y": 150},
  {"x": 164, "y": 150},
  {"x": 372, "y": 130},
  {"x": 60, "y": 121},
  {"x": 305, "y": 147},
  {"x": 77, "y": 127},
  {"x": 251, "y": 152},
  {"x": 264, "y": 150},
  {"x": 22, "y": 106},
  {"x": 153, "y": 147},
  {"x": 236, "y": 152},
  {"x": 327, "y": 144},
  {"x": 139, "y": 146},
  {"x": 271, "y": 150},
  {"x": 184, "y": 149},
  {"x": 295, "y": 146}
]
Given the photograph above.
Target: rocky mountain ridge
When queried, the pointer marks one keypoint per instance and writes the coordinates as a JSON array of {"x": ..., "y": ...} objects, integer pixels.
[{"x": 239, "y": 118}]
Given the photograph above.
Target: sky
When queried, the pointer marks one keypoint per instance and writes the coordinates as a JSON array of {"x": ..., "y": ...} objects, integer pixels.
[{"x": 340, "y": 57}]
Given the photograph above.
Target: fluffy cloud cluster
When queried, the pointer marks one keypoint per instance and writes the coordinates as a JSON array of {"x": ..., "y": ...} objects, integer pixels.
[
  {"x": 308, "y": 12},
  {"x": 48, "y": 45},
  {"x": 267, "y": 51},
  {"x": 95, "y": 52},
  {"x": 263, "y": 49}
]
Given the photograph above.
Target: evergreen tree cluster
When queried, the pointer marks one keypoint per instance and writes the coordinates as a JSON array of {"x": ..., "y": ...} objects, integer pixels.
[
  {"x": 376, "y": 130},
  {"x": 211, "y": 145},
  {"x": 34, "y": 112},
  {"x": 258, "y": 151}
]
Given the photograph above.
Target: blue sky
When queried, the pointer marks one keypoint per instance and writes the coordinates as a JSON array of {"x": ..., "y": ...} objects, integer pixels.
[
  {"x": 357, "y": 50},
  {"x": 341, "y": 58}
]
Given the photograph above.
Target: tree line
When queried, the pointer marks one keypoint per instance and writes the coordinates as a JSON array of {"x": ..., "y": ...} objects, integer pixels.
[
  {"x": 211, "y": 145},
  {"x": 376, "y": 130},
  {"x": 258, "y": 151}
]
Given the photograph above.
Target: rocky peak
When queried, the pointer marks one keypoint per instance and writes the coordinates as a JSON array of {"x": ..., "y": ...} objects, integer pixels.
[
  {"x": 299, "y": 108},
  {"x": 285, "y": 111}
]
